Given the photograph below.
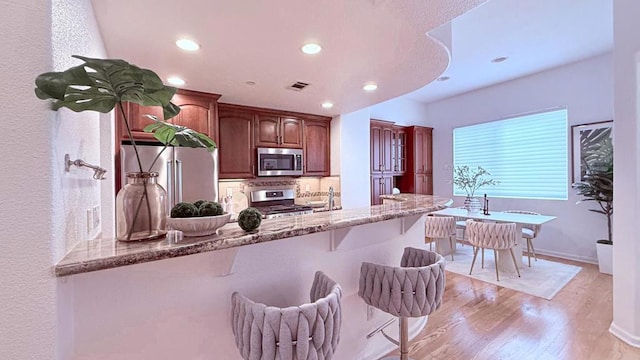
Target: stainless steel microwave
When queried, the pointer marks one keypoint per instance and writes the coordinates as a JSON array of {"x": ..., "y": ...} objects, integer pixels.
[{"x": 279, "y": 162}]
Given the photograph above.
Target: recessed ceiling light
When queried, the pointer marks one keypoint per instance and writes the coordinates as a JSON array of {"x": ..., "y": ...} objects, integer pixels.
[
  {"x": 174, "y": 80},
  {"x": 250, "y": 83},
  {"x": 311, "y": 48},
  {"x": 499, "y": 59},
  {"x": 370, "y": 87},
  {"x": 443, "y": 78},
  {"x": 327, "y": 105},
  {"x": 188, "y": 45}
]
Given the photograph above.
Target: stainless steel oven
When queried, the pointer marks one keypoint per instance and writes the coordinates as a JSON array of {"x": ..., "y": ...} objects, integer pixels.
[{"x": 279, "y": 162}]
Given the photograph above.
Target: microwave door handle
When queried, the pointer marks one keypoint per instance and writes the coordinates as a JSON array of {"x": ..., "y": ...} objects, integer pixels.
[
  {"x": 178, "y": 181},
  {"x": 169, "y": 185}
]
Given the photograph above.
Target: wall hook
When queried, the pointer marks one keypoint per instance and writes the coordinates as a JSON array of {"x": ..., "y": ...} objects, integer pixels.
[{"x": 98, "y": 172}]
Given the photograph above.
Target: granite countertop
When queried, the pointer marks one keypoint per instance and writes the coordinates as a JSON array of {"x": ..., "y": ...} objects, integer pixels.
[
  {"x": 414, "y": 198},
  {"x": 102, "y": 254}
]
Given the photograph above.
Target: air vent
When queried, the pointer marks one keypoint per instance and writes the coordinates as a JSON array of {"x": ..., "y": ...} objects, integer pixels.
[{"x": 298, "y": 86}]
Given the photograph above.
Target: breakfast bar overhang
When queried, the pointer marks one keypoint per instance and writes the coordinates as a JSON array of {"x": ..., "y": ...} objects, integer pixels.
[{"x": 173, "y": 300}]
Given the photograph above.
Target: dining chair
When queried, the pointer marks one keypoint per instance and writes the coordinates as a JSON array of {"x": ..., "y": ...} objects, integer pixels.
[
  {"x": 495, "y": 236},
  {"x": 461, "y": 224},
  {"x": 437, "y": 228},
  {"x": 529, "y": 232}
]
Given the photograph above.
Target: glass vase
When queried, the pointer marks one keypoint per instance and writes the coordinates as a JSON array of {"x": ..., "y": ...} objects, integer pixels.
[
  {"x": 472, "y": 204},
  {"x": 141, "y": 211}
]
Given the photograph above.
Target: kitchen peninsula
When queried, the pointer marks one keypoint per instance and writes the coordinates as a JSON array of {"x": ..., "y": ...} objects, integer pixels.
[{"x": 180, "y": 307}]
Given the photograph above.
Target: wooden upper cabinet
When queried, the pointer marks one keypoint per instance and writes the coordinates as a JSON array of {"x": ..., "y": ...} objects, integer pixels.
[
  {"x": 198, "y": 111},
  {"x": 267, "y": 130},
  {"x": 423, "y": 148},
  {"x": 387, "y": 145},
  {"x": 317, "y": 146},
  {"x": 235, "y": 148},
  {"x": 273, "y": 130},
  {"x": 376, "y": 145},
  {"x": 382, "y": 147},
  {"x": 137, "y": 120},
  {"x": 399, "y": 150},
  {"x": 291, "y": 132}
]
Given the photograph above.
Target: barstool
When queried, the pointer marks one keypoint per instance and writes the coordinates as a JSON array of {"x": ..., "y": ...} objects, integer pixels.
[
  {"x": 414, "y": 289},
  {"x": 308, "y": 331}
]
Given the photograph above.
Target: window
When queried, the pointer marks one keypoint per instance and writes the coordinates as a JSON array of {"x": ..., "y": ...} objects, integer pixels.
[{"x": 526, "y": 154}]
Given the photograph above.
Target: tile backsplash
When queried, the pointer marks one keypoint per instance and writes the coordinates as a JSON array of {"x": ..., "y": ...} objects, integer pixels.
[{"x": 306, "y": 188}]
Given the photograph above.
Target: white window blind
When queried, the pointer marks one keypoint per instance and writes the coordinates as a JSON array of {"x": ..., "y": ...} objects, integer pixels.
[{"x": 526, "y": 154}]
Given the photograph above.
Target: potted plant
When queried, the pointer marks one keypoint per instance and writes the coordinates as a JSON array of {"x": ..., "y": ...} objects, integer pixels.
[
  {"x": 471, "y": 180},
  {"x": 597, "y": 185},
  {"x": 102, "y": 85}
]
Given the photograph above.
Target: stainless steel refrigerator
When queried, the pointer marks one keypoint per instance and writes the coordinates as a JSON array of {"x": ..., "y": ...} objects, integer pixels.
[{"x": 187, "y": 174}]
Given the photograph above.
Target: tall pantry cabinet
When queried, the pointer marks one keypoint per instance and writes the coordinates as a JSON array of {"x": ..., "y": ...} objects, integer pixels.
[{"x": 418, "y": 178}]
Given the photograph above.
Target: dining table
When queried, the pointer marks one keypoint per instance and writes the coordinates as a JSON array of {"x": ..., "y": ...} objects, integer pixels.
[{"x": 505, "y": 217}]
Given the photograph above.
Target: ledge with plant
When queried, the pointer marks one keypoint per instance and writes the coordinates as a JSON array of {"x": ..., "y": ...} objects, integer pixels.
[{"x": 104, "y": 84}]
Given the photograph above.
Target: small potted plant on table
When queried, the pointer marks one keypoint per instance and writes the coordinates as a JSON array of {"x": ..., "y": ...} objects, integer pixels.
[{"x": 471, "y": 180}]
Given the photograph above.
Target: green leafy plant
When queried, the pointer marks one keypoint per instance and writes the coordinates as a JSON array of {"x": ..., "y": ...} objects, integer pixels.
[
  {"x": 470, "y": 180},
  {"x": 597, "y": 184},
  {"x": 104, "y": 84}
]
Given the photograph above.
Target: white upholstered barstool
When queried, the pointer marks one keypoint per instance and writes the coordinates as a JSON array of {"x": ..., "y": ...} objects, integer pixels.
[
  {"x": 414, "y": 289},
  {"x": 495, "y": 236},
  {"x": 309, "y": 331},
  {"x": 529, "y": 232},
  {"x": 439, "y": 228}
]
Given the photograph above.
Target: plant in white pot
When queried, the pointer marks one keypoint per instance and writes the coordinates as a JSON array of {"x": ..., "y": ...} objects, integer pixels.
[
  {"x": 471, "y": 180},
  {"x": 102, "y": 85},
  {"x": 597, "y": 185}
]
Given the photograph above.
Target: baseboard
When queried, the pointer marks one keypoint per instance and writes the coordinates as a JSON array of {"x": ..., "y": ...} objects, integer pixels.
[
  {"x": 561, "y": 255},
  {"x": 623, "y": 335},
  {"x": 566, "y": 256}
]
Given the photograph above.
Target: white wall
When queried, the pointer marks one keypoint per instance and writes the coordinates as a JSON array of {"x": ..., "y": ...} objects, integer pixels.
[
  {"x": 41, "y": 207},
  {"x": 75, "y": 32},
  {"x": 350, "y": 136},
  {"x": 401, "y": 111},
  {"x": 27, "y": 293},
  {"x": 586, "y": 89},
  {"x": 626, "y": 227}
]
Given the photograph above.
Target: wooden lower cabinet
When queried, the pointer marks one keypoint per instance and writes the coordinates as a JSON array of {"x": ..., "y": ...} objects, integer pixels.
[
  {"x": 236, "y": 153},
  {"x": 317, "y": 146},
  {"x": 380, "y": 185}
]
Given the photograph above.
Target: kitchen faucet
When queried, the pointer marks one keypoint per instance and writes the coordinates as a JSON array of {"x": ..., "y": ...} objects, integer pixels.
[{"x": 330, "y": 198}]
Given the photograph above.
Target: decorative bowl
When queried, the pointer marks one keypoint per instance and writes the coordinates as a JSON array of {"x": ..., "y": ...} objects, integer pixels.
[
  {"x": 198, "y": 226},
  {"x": 317, "y": 204}
]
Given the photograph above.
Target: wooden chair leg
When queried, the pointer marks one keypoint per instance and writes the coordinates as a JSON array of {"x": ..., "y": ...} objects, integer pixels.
[
  {"x": 532, "y": 249},
  {"x": 495, "y": 256},
  {"x": 475, "y": 254},
  {"x": 483, "y": 258},
  {"x": 452, "y": 245},
  {"x": 514, "y": 261},
  {"x": 529, "y": 251}
]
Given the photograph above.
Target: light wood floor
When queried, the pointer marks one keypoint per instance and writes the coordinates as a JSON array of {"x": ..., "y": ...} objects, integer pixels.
[{"x": 478, "y": 320}]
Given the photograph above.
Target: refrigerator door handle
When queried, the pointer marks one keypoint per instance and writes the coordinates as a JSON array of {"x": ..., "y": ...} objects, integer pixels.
[
  {"x": 170, "y": 185},
  {"x": 178, "y": 181}
]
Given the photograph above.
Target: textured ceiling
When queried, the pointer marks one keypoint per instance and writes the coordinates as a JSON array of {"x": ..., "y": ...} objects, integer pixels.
[
  {"x": 535, "y": 34},
  {"x": 383, "y": 41}
]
